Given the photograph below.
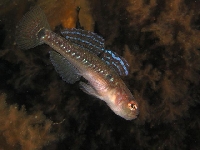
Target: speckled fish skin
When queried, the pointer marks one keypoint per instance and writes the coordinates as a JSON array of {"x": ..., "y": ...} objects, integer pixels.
[{"x": 104, "y": 82}]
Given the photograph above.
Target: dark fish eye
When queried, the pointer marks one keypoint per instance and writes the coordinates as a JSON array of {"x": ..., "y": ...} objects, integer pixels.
[{"x": 132, "y": 106}]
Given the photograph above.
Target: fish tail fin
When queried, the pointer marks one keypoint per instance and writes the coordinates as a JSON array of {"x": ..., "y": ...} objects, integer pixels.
[{"x": 28, "y": 30}]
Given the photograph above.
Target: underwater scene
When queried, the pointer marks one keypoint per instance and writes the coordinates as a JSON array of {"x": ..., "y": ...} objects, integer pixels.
[{"x": 99, "y": 75}]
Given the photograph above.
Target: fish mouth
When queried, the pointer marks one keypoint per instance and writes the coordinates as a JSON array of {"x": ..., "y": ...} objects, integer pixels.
[{"x": 132, "y": 115}]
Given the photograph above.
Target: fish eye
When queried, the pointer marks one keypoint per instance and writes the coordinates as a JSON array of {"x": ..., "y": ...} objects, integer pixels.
[{"x": 132, "y": 106}]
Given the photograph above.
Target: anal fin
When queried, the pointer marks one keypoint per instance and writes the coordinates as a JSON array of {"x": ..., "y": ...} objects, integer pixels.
[{"x": 65, "y": 69}]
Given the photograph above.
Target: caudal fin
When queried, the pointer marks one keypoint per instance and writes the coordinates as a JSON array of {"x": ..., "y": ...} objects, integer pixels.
[{"x": 28, "y": 28}]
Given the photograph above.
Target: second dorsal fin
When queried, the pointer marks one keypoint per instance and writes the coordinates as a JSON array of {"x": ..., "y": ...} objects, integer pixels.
[
  {"x": 95, "y": 43},
  {"x": 85, "y": 39}
]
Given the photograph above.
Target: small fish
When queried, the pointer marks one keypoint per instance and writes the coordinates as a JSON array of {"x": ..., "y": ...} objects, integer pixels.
[{"x": 81, "y": 53}]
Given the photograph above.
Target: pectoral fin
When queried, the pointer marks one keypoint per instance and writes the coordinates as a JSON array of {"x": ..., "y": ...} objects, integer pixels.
[{"x": 89, "y": 89}]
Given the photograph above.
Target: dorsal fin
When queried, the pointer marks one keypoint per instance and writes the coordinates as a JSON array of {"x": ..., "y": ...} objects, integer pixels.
[
  {"x": 85, "y": 39},
  {"x": 65, "y": 69},
  {"x": 119, "y": 64},
  {"x": 95, "y": 43}
]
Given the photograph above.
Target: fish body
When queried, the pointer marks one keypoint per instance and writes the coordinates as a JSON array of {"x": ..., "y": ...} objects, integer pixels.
[{"x": 76, "y": 55}]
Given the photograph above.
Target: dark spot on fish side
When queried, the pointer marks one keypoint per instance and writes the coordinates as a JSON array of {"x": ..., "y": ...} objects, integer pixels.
[
  {"x": 109, "y": 76},
  {"x": 41, "y": 33}
]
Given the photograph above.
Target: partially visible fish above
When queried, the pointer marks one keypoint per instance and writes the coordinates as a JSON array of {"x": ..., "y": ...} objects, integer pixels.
[{"x": 81, "y": 53}]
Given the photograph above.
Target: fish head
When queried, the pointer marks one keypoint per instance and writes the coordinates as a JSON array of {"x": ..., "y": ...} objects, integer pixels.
[
  {"x": 123, "y": 104},
  {"x": 129, "y": 109}
]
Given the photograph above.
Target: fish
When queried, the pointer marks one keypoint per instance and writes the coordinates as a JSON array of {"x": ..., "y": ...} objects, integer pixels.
[{"x": 79, "y": 53}]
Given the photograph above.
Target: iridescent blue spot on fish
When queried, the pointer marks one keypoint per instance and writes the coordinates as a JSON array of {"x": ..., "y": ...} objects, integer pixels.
[
  {"x": 85, "y": 39},
  {"x": 117, "y": 62}
]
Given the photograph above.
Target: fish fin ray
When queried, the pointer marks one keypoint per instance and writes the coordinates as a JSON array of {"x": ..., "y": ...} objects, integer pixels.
[
  {"x": 27, "y": 30},
  {"x": 64, "y": 68}
]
